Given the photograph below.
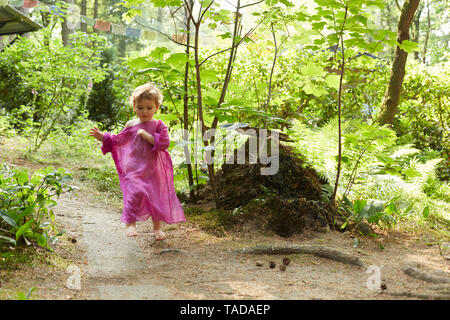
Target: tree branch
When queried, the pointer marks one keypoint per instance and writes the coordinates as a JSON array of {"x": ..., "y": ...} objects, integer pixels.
[
  {"x": 164, "y": 34},
  {"x": 235, "y": 45},
  {"x": 251, "y": 4}
]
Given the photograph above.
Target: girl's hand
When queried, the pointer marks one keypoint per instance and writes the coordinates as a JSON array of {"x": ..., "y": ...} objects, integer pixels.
[
  {"x": 146, "y": 136},
  {"x": 97, "y": 134},
  {"x": 141, "y": 132}
]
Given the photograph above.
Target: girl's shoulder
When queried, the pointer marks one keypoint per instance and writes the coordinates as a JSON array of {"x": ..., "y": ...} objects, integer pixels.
[{"x": 131, "y": 123}]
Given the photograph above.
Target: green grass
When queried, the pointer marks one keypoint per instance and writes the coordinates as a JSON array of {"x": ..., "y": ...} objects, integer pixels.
[{"x": 212, "y": 221}]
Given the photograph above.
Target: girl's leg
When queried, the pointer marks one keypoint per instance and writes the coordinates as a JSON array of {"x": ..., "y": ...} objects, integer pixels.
[
  {"x": 131, "y": 230},
  {"x": 159, "y": 235}
]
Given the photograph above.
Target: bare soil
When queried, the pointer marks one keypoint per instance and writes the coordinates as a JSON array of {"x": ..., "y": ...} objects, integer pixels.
[{"x": 194, "y": 264}]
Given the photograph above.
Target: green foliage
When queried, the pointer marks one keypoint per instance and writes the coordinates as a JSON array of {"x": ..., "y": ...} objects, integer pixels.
[
  {"x": 213, "y": 221},
  {"x": 105, "y": 179},
  {"x": 26, "y": 204},
  {"x": 53, "y": 77},
  {"x": 424, "y": 115},
  {"x": 23, "y": 296},
  {"x": 6, "y": 128},
  {"x": 397, "y": 175},
  {"x": 383, "y": 213},
  {"x": 108, "y": 101}
]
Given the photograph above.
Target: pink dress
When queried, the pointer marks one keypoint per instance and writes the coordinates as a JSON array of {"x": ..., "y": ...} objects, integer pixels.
[{"x": 145, "y": 173}]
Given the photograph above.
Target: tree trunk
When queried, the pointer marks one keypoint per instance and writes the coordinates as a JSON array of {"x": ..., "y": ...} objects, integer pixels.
[
  {"x": 424, "y": 59},
  {"x": 65, "y": 30},
  {"x": 186, "y": 107},
  {"x": 389, "y": 106},
  {"x": 95, "y": 13},
  {"x": 389, "y": 23},
  {"x": 83, "y": 12},
  {"x": 417, "y": 30}
]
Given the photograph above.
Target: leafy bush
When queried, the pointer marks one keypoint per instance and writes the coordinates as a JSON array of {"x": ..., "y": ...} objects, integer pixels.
[
  {"x": 51, "y": 77},
  {"x": 375, "y": 168},
  {"x": 424, "y": 116},
  {"x": 382, "y": 213},
  {"x": 26, "y": 204},
  {"x": 108, "y": 101}
]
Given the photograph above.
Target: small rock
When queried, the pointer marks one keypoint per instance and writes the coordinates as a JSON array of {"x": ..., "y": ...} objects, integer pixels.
[
  {"x": 282, "y": 267},
  {"x": 259, "y": 264},
  {"x": 271, "y": 264},
  {"x": 286, "y": 261}
]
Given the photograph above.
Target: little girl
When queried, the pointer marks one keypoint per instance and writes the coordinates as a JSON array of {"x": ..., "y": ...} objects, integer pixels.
[{"x": 144, "y": 165}]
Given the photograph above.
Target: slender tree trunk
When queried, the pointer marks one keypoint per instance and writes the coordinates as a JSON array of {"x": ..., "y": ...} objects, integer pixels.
[
  {"x": 65, "y": 30},
  {"x": 424, "y": 60},
  {"x": 186, "y": 109},
  {"x": 95, "y": 13},
  {"x": 389, "y": 106},
  {"x": 342, "y": 65},
  {"x": 83, "y": 12},
  {"x": 200, "y": 107},
  {"x": 232, "y": 57},
  {"x": 389, "y": 24},
  {"x": 417, "y": 29}
]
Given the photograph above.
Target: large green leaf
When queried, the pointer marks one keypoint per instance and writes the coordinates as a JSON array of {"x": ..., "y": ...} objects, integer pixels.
[
  {"x": 315, "y": 90},
  {"x": 41, "y": 240},
  {"x": 27, "y": 211},
  {"x": 159, "y": 53},
  {"x": 208, "y": 76},
  {"x": 177, "y": 59},
  {"x": 312, "y": 69},
  {"x": 409, "y": 46},
  {"x": 7, "y": 218},
  {"x": 166, "y": 3},
  {"x": 139, "y": 63},
  {"x": 332, "y": 81},
  {"x": 358, "y": 205},
  {"x": 165, "y": 116},
  {"x": 8, "y": 239},
  {"x": 24, "y": 228}
]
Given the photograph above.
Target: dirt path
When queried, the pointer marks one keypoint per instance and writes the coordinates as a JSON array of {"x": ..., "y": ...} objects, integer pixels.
[{"x": 192, "y": 264}]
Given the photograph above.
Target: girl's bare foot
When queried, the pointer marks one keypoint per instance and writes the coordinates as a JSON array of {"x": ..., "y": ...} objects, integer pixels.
[
  {"x": 159, "y": 235},
  {"x": 131, "y": 230}
]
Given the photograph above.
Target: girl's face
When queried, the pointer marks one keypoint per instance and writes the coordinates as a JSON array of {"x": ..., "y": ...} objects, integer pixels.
[{"x": 145, "y": 109}]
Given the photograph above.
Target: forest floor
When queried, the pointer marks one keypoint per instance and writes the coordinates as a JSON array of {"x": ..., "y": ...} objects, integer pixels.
[{"x": 194, "y": 264}]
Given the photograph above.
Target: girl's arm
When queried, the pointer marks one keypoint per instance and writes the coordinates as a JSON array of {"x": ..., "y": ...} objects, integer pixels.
[
  {"x": 146, "y": 136},
  {"x": 160, "y": 138},
  {"x": 105, "y": 138},
  {"x": 97, "y": 134}
]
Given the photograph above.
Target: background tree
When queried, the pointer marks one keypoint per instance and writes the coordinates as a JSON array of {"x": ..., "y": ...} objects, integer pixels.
[{"x": 389, "y": 106}]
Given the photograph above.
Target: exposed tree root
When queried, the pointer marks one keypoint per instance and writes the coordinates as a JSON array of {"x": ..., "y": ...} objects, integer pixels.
[
  {"x": 412, "y": 270},
  {"x": 319, "y": 251},
  {"x": 420, "y": 295}
]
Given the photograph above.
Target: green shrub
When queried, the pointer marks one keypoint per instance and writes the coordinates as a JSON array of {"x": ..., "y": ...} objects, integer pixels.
[{"x": 26, "y": 204}]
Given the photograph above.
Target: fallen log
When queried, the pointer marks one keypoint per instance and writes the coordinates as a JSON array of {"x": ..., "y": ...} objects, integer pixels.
[
  {"x": 412, "y": 270},
  {"x": 420, "y": 295},
  {"x": 319, "y": 251}
]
